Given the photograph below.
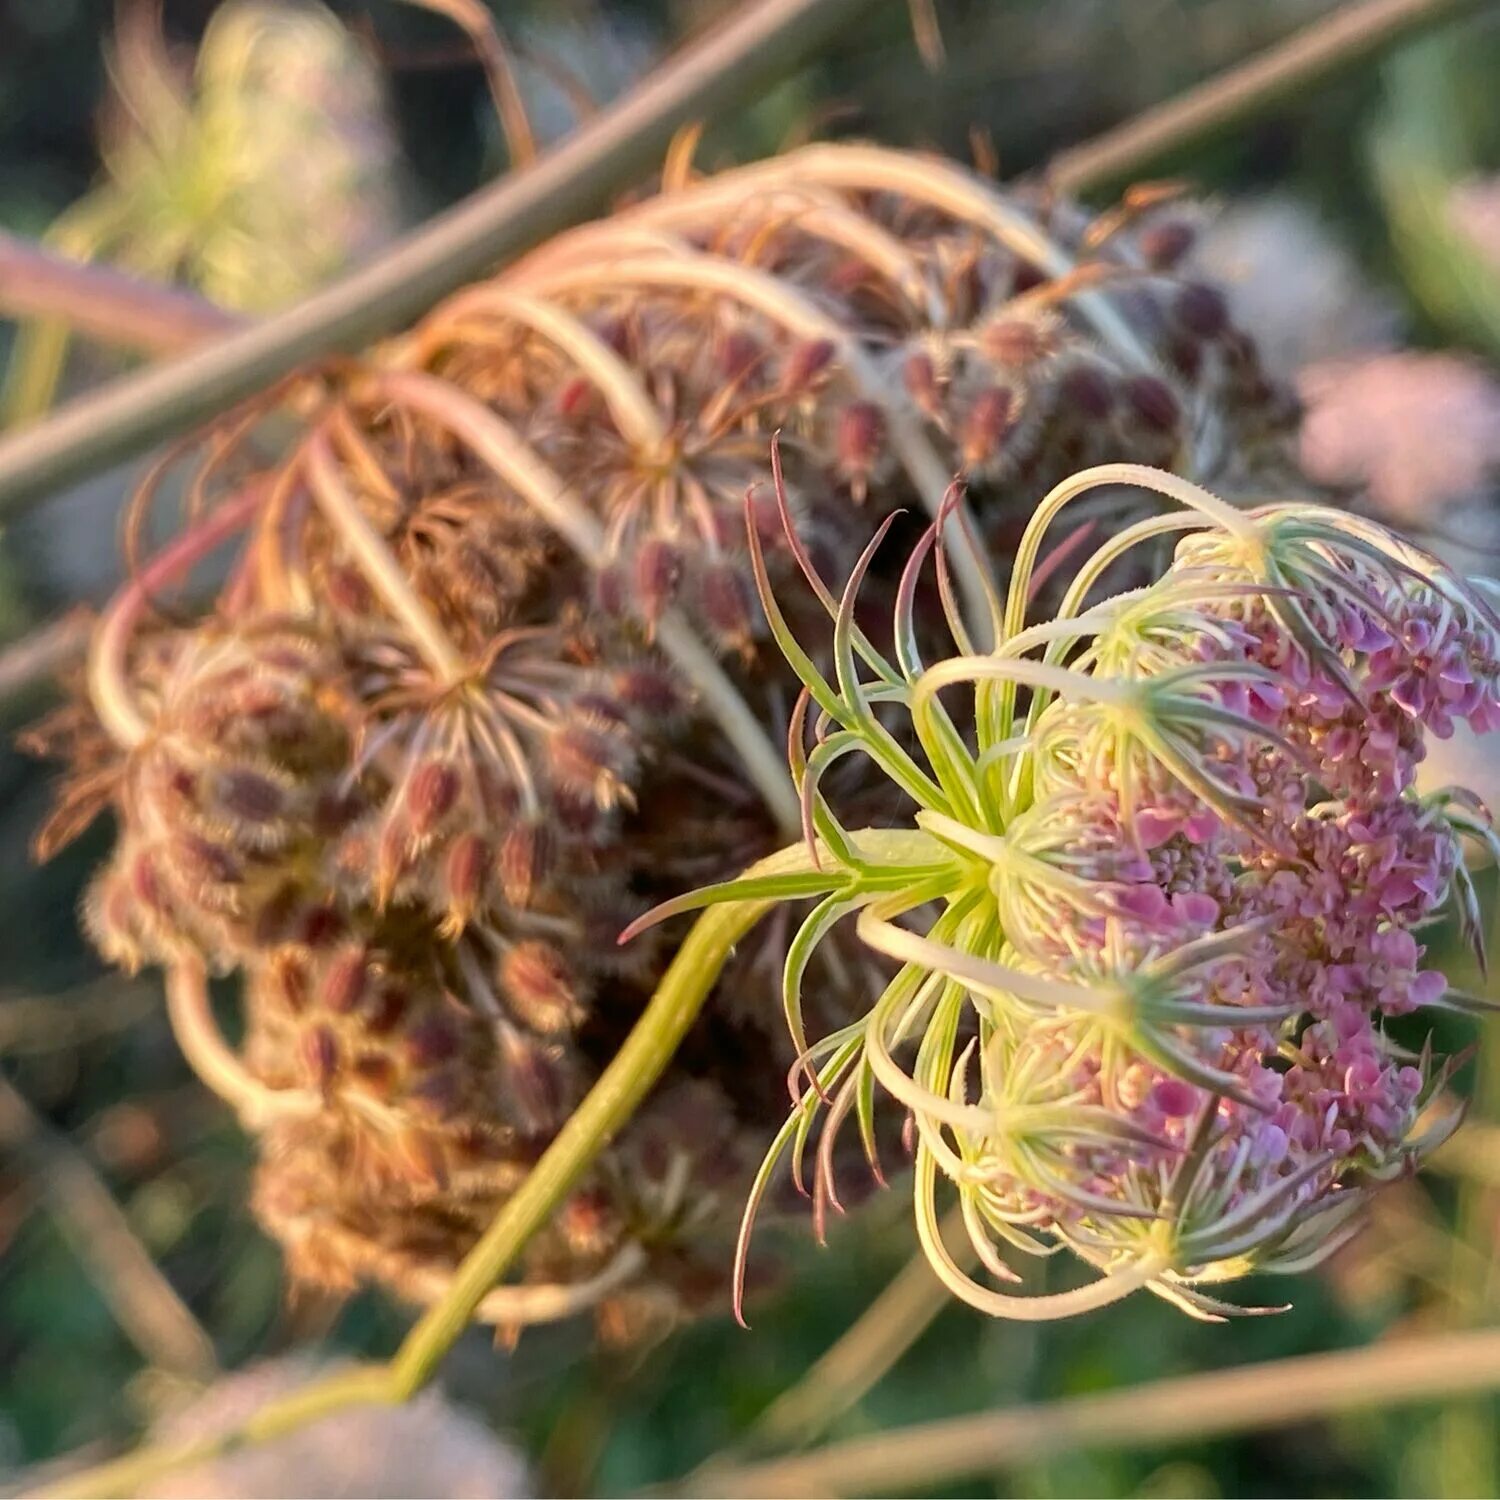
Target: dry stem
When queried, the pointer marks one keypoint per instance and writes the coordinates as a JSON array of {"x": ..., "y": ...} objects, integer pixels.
[
  {"x": 191, "y": 1013},
  {"x": 1204, "y": 1405},
  {"x": 1350, "y": 33},
  {"x": 109, "y": 305}
]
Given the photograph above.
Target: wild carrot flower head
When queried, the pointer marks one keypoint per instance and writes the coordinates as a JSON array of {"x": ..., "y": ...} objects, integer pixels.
[{"x": 1163, "y": 883}]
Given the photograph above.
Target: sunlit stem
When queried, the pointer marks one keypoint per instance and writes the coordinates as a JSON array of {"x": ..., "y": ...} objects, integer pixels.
[
  {"x": 619, "y": 1091},
  {"x": 501, "y": 448},
  {"x": 110, "y": 648},
  {"x": 608, "y": 1105},
  {"x": 378, "y": 564},
  {"x": 191, "y": 1013}
]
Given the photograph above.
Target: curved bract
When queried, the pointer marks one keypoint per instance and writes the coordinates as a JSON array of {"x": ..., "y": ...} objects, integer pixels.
[{"x": 1167, "y": 882}]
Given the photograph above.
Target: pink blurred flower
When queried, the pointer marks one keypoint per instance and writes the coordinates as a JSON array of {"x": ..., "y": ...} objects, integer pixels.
[{"x": 1419, "y": 431}]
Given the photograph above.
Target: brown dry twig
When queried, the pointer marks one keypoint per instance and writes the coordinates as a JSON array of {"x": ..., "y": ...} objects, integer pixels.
[
  {"x": 1349, "y": 35},
  {"x": 1208, "y": 1404}
]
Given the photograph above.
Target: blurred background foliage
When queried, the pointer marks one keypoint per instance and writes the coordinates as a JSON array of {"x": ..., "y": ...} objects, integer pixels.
[{"x": 1358, "y": 225}]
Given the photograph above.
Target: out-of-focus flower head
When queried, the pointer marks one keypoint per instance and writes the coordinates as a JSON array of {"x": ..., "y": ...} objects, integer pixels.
[
  {"x": 1420, "y": 433},
  {"x": 1290, "y": 280},
  {"x": 427, "y": 1446},
  {"x": 255, "y": 176},
  {"x": 1475, "y": 209},
  {"x": 265, "y": 175}
]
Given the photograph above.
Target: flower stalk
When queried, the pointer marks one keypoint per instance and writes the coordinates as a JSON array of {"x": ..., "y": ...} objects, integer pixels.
[{"x": 609, "y": 1104}]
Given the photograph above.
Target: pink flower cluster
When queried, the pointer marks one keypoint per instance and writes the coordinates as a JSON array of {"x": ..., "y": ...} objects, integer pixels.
[{"x": 1230, "y": 880}]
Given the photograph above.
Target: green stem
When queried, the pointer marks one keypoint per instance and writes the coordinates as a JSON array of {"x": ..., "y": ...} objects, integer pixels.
[{"x": 609, "y": 1104}]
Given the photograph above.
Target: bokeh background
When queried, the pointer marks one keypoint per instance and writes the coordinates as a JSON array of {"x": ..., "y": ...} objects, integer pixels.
[{"x": 1358, "y": 227}]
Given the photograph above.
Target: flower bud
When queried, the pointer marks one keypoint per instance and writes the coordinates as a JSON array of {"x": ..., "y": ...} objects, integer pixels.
[
  {"x": 430, "y": 796},
  {"x": 249, "y": 797},
  {"x": 591, "y": 760},
  {"x": 807, "y": 365},
  {"x": 859, "y": 444},
  {"x": 1201, "y": 310},
  {"x": 346, "y": 979},
  {"x": 1164, "y": 243},
  {"x": 657, "y": 569},
  {"x": 1015, "y": 342},
  {"x": 648, "y": 692},
  {"x": 540, "y": 988},
  {"x": 724, "y": 603},
  {"x": 320, "y": 1057},
  {"x": 536, "y": 1080},
  {"x": 986, "y": 423},
  {"x": 739, "y": 353},
  {"x": 919, "y": 376},
  {"x": 526, "y": 857},
  {"x": 465, "y": 872},
  {"x": 1086, "y": 391},
  {"x": 576, "y": 398}
]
